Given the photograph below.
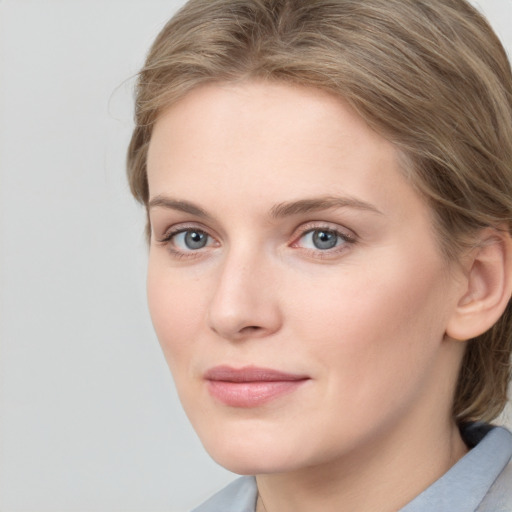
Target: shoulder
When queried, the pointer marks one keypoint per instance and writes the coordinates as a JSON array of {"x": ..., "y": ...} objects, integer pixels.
[
  {"x": 499, "y": 496},
  {"x": 238, "y": 496},
  {"x": 479, "y": 482}
]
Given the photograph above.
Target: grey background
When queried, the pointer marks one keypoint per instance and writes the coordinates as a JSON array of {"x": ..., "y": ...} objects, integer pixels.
[{"x": 89, "y": 420}]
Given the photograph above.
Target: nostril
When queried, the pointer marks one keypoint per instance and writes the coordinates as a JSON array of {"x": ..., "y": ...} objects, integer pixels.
[{"x": 251, "y": 328}]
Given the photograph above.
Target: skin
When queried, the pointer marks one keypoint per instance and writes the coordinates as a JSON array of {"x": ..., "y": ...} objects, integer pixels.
[{"x": 365, "y": 320}]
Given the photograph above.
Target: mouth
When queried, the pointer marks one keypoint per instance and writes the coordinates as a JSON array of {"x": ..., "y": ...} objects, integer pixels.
[{"x": 250, "y": 386}]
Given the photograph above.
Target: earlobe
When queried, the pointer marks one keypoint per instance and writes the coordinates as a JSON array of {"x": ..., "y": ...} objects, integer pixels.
[{"x": 488, "y": 286}]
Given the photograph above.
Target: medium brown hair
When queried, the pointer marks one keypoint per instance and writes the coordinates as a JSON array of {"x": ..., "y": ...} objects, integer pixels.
[{"x": 429, "y": 75}]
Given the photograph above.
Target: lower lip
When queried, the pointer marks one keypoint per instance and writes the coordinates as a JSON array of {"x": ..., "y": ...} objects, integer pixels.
[{"x": 251, "y": 394}]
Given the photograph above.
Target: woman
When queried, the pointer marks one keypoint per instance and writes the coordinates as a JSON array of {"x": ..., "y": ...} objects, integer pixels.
[{"x": 329, "y": 196}]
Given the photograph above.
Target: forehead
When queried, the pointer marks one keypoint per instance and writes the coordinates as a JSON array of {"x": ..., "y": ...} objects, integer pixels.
[
  {"x": 243, "y": 104},
  {"x": 264, "y": 130}
]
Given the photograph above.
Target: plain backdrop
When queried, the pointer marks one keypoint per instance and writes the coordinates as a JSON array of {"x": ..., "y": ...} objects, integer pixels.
[{"x": 89, "y": 419}]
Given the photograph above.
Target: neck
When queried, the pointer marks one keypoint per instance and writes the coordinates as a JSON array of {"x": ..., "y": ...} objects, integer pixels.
[{"x": 384, "y": 475}]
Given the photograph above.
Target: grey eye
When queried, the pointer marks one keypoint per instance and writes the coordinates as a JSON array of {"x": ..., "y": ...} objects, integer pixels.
[
  {"x": 191, "y": 240},
  {"x": 195, "y": 239},
  {"x": 323, "y": 239}
]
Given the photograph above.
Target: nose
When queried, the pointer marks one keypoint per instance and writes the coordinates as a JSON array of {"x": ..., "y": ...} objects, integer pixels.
[{"x": 245, "y": 302}]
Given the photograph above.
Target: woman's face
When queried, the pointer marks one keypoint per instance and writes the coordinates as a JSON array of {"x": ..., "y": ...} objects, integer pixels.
[{"x": 295, "y": 281}]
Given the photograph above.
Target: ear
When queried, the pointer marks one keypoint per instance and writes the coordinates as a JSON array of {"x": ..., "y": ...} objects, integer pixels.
[{"x": 487, "y": 286}]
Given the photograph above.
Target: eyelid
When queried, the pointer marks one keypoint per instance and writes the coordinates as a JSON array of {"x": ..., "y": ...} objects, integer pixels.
[
  {"x": 347, "y": 239},
  {"x": 344, "y": 232},
  {"x": 180, "y": 227},
  {"x": 166, "y": 240}
]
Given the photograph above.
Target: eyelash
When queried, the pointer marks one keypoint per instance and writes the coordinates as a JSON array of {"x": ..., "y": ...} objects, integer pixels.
[
  {"x": 343, "y": 239},
  {"x": 168, "y": 237}
]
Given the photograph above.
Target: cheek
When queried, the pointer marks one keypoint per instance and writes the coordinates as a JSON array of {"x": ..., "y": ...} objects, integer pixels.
[
  {"x": 176, "y": 310},
  {"x": 374, "y": 317},
  {"x": 375, "y": 347}
]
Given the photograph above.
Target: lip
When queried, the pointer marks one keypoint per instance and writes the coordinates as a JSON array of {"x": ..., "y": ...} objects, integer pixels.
[{"x": 250, "y": 386}]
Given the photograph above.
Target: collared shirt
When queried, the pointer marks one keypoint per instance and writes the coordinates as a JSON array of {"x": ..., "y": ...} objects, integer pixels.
[{"x": 479, "y": 482}]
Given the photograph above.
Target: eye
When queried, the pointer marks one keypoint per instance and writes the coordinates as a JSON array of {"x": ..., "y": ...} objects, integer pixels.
[
  {"x": 183, "y": 241},
  {"x": 323, "y": 239},
  {"x": 190, "y": 240}
]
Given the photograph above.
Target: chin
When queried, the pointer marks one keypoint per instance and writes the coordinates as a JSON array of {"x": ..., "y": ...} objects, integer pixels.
[
  {"x": 254, "y": 463},
  {"x": 252, "y": 455}
]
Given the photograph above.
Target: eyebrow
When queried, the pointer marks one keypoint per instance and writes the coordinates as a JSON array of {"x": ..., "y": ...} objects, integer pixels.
[
  {"x": 174, "y": 204},
  {"x": 316, "y": 204},
  {"x": 278, "y": 211}
]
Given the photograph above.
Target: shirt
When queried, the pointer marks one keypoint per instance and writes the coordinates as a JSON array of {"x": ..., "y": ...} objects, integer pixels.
[{"x": 481, "y": 481}]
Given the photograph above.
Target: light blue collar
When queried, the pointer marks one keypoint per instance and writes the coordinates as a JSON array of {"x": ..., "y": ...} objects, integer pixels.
[{"x": 479, "y": 482}]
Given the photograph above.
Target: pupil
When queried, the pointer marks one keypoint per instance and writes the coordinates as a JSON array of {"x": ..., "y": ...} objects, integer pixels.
[
  {"x": 324, "y": 239},
  {"x": 195, "y": 240}
]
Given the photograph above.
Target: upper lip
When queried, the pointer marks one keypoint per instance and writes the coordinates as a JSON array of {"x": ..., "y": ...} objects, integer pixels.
[{"x": 250, "y": 374}]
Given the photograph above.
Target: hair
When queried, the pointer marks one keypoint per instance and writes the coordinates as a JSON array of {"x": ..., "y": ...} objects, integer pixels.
[{"x": 429, "y": 75}]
